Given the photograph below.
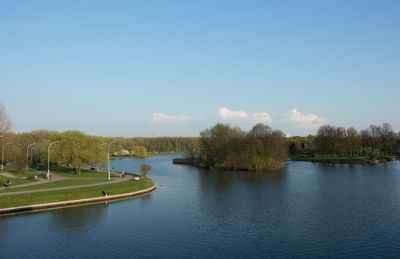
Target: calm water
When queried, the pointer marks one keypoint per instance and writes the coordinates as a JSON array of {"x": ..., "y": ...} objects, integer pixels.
[{"x": 305, "y": 210}]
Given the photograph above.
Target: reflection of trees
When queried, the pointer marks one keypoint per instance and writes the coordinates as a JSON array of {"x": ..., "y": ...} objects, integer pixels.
[
  {"x": 78, "y": 218},
  {"x": 231, "y": 197}
]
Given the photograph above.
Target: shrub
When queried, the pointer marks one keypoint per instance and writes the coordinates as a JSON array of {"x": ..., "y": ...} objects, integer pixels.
[
  {"x": 144, "y": 169},
  {"x": 31, "y": 177},
  {"x": 373, "y": 156}
]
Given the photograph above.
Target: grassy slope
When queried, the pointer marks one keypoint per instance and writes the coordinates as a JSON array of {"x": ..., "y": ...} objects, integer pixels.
[
  {"x": 55, "y": 184},
  {"x": 73, "y": 194},
  {"x": 14, "y": 181},
  {"x": 69, "y": 172}
]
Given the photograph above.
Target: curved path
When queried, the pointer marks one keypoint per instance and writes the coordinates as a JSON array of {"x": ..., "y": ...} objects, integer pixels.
[
  {"x": 118, "y": 180},
  {"x": 7, "y": 174}
]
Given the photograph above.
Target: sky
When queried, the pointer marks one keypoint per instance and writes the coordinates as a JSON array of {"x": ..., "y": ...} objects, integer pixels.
[{"x": 175, "y": 68}]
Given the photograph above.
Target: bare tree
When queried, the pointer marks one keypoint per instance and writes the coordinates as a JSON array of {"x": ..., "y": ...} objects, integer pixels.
[{"x": 5, "y": 123}]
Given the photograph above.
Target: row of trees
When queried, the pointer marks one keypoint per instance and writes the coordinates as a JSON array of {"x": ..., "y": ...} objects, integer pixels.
[
  {"x": 221, "y": 146},
  {"x": 227, "y": 147},
  {"x": 77, "y": 148},
  {"x": 380, "y": 140},
  {"x": 163, "y": 145}
]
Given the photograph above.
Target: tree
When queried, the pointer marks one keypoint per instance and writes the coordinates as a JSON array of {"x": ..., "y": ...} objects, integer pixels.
[
  {"x": 388, "y": 138},
  {"x": 352, "y": 141},
  {"x": 76, "y": 149},
  {"x": 5, "y": 123},
  {"x": 139, "y": 151},
  {"x": 374, "y": 133},
  {"x": 144, "y": 169},
  {"x": 226, "y": 147}
]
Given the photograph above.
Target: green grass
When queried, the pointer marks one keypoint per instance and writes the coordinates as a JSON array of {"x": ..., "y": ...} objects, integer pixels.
[
  {"x": 74, "y": 194},
  {"x": 70, "y": 173},
  {"x": 55, "y": 184},
  {"x": 22, "y": 174},
  {"x": 14, "y": 181}
]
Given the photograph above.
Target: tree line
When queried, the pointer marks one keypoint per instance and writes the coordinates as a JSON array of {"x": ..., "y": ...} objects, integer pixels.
[
  {"x": 221, "y": 146},
  {"x": 77, "y": 149},
  {"x": 376, "y": 141}
]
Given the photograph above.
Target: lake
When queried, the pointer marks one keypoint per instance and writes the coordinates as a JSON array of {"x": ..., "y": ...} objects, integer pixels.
[{"x": 304, "y": 210}]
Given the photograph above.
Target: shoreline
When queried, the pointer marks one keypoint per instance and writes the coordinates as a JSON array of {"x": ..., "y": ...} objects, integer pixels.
[
  {"x": 72, "y": 203},
  {"x": 328, "y": 161},
  {"x": 343, "y": 161}
]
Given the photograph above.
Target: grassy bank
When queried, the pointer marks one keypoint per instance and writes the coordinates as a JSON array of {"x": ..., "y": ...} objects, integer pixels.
[
  {"x": 74, "y": 194},
  {"x": 55, "y": 184},
  {"x": 70, "y": 173},
  {"x": 14, "y": 181},
  {"x": 342, "y": 160}
]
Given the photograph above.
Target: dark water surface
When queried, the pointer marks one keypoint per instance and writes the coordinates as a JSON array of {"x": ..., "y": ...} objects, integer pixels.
[{"x": 305, "y": 210}]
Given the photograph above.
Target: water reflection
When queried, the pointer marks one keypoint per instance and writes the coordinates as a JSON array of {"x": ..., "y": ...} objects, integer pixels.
[
  {"x": 77, "y": 220},
  {"x": 240, "y": 199}
]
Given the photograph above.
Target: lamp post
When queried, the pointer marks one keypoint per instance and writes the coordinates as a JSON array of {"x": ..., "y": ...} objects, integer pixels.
[
  {"x": 48, "y": 159},
  {"x": 27, "y": 155},
  {"x": 2, "y": 155},
  {"x": 108, "y": 158}
]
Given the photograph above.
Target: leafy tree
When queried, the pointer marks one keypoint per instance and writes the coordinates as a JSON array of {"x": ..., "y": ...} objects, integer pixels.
[
  {"x": 223, "y": 146},
  {"x": 139, "y": 151},
  {"x": 76, "y": 149}
]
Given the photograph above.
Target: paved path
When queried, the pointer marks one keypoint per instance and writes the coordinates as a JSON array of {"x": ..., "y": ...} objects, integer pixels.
[
  {"x": 117, "y": 180},
  {"x": 7, "y": 174},
  {"x": 37, "y": 182}
]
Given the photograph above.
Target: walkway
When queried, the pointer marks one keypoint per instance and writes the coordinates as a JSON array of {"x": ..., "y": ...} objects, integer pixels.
[{"x": 56, "y": 177}]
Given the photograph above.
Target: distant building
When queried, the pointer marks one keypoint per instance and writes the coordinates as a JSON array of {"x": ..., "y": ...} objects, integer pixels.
[{"x": 122, "y": 152}]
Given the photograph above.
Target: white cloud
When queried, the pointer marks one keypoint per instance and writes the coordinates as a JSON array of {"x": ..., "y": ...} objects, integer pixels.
[
  {"x": 309, "y": 121},
  {"x": 162, "y": 117},
  {"x": 231, "y": 115},
  {"x": 227, "y": 114},
  {"x": 261, "y": 117}
]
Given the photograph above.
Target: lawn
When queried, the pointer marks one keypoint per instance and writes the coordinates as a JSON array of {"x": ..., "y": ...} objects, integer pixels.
[
  {"x": 70, "y": 173},
  {"x": 14, "y": 181},
  {"x": 74, "y": 194},
  {"x": 55, "y": 184}
]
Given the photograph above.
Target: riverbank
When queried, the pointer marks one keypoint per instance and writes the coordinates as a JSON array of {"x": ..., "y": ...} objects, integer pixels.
[
  {"x": 70, "y": 188},
  {"x": 324, "y": 160},
  {"x": 343, "y": 160},
  {"x": 69, "y": 203}
]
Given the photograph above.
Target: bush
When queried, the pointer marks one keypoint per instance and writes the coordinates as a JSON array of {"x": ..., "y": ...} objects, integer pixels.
[
  {"x": 43, "y": 175},
  {"x": 373, "y": 156},
  {"x": 31, "y": 177},
  {"x": 144, "y": 169}
]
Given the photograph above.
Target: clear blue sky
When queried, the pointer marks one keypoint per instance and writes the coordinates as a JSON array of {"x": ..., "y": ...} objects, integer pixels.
[{"x": 151, "y": 68}]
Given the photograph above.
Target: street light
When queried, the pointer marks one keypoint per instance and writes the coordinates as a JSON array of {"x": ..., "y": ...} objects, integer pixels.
[
  {"x": 27, "y": 155},
  {"x": 48, "y": 159},
  {"x": 108, "y": 157},
  {"x": 2, "y": 155}
]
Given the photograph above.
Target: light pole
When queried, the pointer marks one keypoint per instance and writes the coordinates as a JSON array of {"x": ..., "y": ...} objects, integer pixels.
[
  {"x": 2, "y": 155},
  {"x": 27, "y": 155},
  {"x": 48, "y": 159},
  {"x": 98, "y": 165},
  {"x": 108, "y": 157}
]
